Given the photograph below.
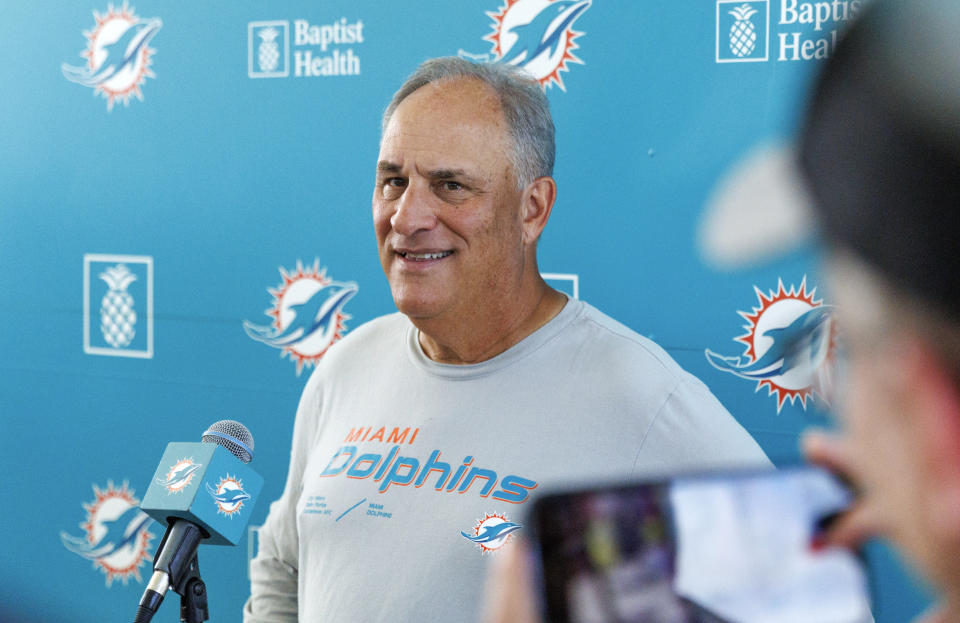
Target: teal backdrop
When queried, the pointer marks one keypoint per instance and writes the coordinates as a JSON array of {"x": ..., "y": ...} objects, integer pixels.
[{"x": 154, "y": 215}]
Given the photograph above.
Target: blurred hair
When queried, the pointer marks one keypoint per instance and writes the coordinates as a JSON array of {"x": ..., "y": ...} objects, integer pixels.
[
  {"x": 883, "y": 309},
  {"x": 522, "y": 100},
  {"x": 880, "y": 147}
]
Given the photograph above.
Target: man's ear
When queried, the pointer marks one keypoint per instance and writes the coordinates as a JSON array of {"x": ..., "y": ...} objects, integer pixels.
[
  {"x": 932, "y": 401},
  {"x": 537, "y": 204}
]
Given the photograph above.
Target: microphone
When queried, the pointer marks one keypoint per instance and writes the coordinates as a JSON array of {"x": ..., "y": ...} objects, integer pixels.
[{"x": 203, "y": 492}]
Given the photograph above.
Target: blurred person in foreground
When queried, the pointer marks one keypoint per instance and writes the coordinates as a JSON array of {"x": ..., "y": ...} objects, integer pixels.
[
  {"x": 880, "y": 148},
  {"x": 881, "y": 151},
  {"x": 486, "y": 385}
]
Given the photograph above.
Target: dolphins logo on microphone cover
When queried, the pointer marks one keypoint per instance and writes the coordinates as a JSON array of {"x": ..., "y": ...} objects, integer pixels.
[
  {"x": 180, "y": 475},
  {"x": 228, "y": 495}
]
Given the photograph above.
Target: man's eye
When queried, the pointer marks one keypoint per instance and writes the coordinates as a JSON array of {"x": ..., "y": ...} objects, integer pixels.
[
  {"x": 393, "y": 187},
  {"x": 451, "y": 186}
]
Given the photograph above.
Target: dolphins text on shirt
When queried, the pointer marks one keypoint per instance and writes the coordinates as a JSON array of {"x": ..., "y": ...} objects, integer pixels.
[{"x": 405, "y": 470}]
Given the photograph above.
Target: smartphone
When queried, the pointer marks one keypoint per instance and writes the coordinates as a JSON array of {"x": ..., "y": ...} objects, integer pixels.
[{"x": 709, "y": 548}]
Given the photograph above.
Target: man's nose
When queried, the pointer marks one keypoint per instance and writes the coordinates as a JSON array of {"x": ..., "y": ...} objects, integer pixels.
[{"x": 415, "y": 211}]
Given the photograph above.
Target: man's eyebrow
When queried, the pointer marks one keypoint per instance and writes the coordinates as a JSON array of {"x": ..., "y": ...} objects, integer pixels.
[
  {"x": 449, "y": 174},
  {"x": 446, "y": 174},
  {"x": 385, "y": 166}
]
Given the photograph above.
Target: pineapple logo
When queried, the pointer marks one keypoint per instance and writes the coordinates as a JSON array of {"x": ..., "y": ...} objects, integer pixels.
[
  {"x": 117, "y": 285},
  {"x": 743, "y": 34},
  {"x": 742, "y": 30},
  {"x": 118, "y": 319},
  {"x": 268, "y": 52}
]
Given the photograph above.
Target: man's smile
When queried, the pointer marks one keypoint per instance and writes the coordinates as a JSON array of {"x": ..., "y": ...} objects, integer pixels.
[{"x": 423, "y": 256}]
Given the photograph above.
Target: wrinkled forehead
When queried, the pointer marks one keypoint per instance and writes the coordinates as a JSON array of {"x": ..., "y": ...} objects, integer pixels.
[{"x": 448, "y": 113}]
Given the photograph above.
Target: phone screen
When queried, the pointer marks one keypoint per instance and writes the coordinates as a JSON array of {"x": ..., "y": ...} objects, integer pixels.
[{"x": 730, "y": 548}]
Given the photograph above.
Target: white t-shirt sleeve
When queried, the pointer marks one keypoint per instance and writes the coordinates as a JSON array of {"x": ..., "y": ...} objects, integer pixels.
[
  {"x": 274, "y": 571},
  {"x": 692, "y": 431}
]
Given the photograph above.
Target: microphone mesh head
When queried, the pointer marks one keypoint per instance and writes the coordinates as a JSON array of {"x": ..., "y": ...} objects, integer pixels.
[{"x": 233, "y": 436}]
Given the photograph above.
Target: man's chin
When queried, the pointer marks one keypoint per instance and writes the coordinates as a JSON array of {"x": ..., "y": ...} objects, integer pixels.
[{"x": 417, "y": 308}]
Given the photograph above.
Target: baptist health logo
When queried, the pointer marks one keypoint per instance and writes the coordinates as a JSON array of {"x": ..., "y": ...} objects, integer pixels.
[
  {"x": 120, "y": 288},
  {"x": 118, "y": 58},
  {"x": 805, "y": 30},
  {"x": 317, "y": 48}
]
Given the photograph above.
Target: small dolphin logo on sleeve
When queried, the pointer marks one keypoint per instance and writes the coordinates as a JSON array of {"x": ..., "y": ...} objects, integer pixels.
[
  {"x": 229, "y": 497},
  {"x": 317, "y": 314},
  {"x": 492, "y": 533},
  {"x": 803, "y": 343},
  {"x": 120, "y": 533},
  {"x": 121, "y": 54}
]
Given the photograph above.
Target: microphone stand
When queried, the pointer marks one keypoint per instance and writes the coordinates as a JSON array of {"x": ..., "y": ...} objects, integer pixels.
[
  {"x": 193, "y": 596},
  {"x": 179, "y": 570}
]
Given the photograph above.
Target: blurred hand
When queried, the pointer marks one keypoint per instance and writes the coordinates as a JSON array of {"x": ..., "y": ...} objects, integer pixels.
[
  {"x": 936, "y": 614},
  {"x": 510, "y": 596},
  {"x": 863, "y": 521}
]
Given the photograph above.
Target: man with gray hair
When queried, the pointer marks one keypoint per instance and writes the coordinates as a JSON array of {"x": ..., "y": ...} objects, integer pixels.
[{"x": 421, "y": 435}]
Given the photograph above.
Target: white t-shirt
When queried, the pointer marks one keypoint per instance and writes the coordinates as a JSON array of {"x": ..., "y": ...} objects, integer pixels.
[{"x": 397, "y": 460}]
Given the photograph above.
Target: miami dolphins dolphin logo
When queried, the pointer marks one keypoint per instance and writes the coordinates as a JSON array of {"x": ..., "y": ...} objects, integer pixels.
[
  {"x": 308, "y": 315},
  {"x": 491, "y": 532},
  {"x": 228, "y": 495},
  {"x": 789, "y": 346},
  {"x": 537, "y": 35},
  {"x": 118, "y": 55},
  {"x": 180, "y": 475},
  {"x": 116, "y": 534}
]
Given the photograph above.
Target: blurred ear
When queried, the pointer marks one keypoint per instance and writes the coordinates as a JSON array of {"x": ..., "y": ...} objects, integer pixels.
[
  {"x": 538, "y": 198},
  {"x": 932, "y": 401}
]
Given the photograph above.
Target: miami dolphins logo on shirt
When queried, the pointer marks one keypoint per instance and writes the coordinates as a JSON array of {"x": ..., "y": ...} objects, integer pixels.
[{"x": 491, "y": 532}]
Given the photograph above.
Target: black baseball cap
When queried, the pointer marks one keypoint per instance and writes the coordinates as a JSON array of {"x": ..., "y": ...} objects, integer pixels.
[{"x": 880, "y": 146}]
